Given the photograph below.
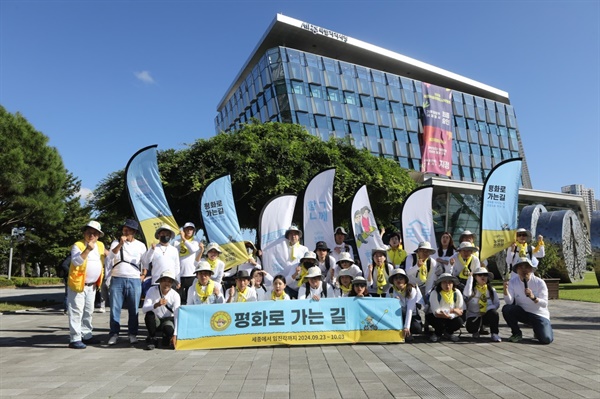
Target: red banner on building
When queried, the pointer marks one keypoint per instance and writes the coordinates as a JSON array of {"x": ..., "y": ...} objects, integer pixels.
[{"x": 436, "y": 147}]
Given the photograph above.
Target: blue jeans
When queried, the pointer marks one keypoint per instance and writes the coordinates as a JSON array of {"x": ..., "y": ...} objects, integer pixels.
[
  {"x": 513, "y": 314},
  {"x": 124, "y": 292}
]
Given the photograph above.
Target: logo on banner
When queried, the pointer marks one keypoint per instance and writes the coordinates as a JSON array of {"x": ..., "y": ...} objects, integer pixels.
[
  {"x": 417, "y": 229},
  {"x": 220, "y": 321}
]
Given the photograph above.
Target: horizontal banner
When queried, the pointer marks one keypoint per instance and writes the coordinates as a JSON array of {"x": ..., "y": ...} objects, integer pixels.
[{"x": 298, "y": 322}]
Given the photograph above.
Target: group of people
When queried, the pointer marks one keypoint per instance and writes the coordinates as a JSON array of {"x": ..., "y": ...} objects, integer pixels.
[{"x": 449, "y": 286}]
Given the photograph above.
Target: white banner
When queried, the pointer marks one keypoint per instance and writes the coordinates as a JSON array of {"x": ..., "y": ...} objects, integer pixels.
[
  {"x": 275, "y": 219},
  {"x": 366, "y": 233},
  {"x": 417, "y": 219},
  {"x": 318, "y": 210}
]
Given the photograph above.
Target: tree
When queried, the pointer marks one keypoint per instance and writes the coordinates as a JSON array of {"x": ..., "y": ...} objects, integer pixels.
[
  {"x": 36, "y": 192},
  {"x": 265, "y": 160},
  {"x": 32, "y": 175}
]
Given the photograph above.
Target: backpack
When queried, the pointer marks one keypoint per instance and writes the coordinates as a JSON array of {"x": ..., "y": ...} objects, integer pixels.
[
  {"x": 414, "y": 259},
  {"x": 529, "y": 252},
  {"x": 63, "y": 270},
  {"x": 323, "y": 289}
]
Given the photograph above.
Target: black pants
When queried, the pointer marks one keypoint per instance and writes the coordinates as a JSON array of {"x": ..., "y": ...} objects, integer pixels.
[
  {"x": 416, "y": 327},
  {"x": 442, "y": 326},
  {"x": 186, "y": 283},
  {"x": 491, "y": 318},
  {"x": 154, "y": 324}
]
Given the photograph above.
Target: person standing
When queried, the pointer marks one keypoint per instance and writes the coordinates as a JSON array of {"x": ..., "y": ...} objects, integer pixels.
[
  {"x": 295, "y": 253},
  {"x": 396, "y": 255},
  {"x": 163, "y": 256},
  {"x": 526, "y": 301},
  {"x": 187, "y": 245},
  {"x": 522, "y": 248},
  {"x": 379, "y": 271},
  {"x": 123, "y": 277},
  {"x": 85, "y": 277},
  {"x": 341, "y": 246}
]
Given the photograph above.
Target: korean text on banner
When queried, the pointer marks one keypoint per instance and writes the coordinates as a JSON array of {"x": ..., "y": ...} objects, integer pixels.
[
  {"x": 221, "y": 222},
  {"x": 318, "y": 210},
  {"x": 436, "y": 148},
  {"x": 146, "y": 193},
  {"x": 268, "y": 323},
  {"x": 499, "y": 207}
]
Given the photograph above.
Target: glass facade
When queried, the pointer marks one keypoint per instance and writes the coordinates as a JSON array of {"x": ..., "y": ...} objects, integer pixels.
[{"x": 375, "y": 110}]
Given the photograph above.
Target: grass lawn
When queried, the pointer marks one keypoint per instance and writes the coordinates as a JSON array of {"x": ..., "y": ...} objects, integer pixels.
[
  {"x": 586, "y": 290},
  {"x": 14, "y": 306}
]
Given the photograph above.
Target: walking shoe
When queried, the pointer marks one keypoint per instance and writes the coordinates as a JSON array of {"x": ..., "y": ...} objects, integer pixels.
[
  {"x": 515, "y": 338},
  {"x": 496, "y": 338},
  {"x": 451, "y": 337},
  {"x": 133, "y": 339},
  {"x": 101, "y": 310},
  {"x": 152, "y": 343},
  {"x": 410, "y": 338},
  {"x": 434, "y": 338},
  {"x": 113, "y": 339},
  {"x": 77, "y": 345},
  {"x": 476, "y": 335},
  {"x": 91, "y": 341}
]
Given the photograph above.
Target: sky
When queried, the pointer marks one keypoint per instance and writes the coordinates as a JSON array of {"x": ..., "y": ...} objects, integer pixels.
[{"x": 103, "y": 79}]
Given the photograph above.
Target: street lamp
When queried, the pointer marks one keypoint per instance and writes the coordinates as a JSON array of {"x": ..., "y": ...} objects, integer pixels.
[{"x": 17, "y": 233}]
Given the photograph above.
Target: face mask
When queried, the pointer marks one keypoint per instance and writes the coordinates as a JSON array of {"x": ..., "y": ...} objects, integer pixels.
[
  {"x": 249, "y": 250},
  {"x": 164, "y": 239}
]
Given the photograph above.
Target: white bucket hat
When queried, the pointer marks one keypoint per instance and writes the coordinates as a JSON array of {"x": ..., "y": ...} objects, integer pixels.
[
  {"x": 484, "y": 271},
  {"x": 426, "y": 246},
  {"x": 466, "y": 245},
  {"x": 309, "y": 255},
  {"x": 163, "y": 227},
  {"x": 521, "y": 261},
  {"x": 346, "y": 272},
  {"x": 522, "y": 230},
  {"x": 94, "y": 225},
  {"x": 189, "y": 224},
  {"x": 397, "y": 272},
  {"x": 345, "y": 257},
  {"x": 211, "y": 246},
  {"x": 340, "y": 230},
  {"x": 293, "y": 228},
  {"x": 204, "y": 266},
  {"x": 446, "y": 277},
  {"x": 167, "y": 274},
  {"x": 314, "y": 271}
]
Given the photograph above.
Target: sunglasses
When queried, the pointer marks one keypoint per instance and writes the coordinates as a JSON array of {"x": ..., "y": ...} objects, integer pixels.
[
  {"x": 522, "y": 235},
  {"x": 360, "y": 285}
]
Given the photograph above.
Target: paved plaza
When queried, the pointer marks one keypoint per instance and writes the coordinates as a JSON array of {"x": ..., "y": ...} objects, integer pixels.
[{"x": 36, "y": 363}]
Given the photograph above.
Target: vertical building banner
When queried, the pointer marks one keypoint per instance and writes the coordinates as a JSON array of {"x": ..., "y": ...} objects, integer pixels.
[
  {"x": 365, "y": 229},
  {"x": 499, "y": 207},
  {"x": 436, "y": 147},
  {"x": 146, "y": 193},
  {"x": 221, "y": 223},
  {"x": 417, "y": 219},
  {"x": 305, "y": 322},
  {"x": 275, "y": 218},
  {"x": 318, "y": 210}
]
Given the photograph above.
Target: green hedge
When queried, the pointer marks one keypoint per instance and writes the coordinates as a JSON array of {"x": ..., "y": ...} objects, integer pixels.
[{"x": 29, "y": 281}]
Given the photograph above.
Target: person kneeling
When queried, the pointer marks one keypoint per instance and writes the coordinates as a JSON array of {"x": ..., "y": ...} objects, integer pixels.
[
  {"x": 446, "y": 307},
  {"x": 526, "y": 298},
  {"x": 482, "y": 304},
  {"x": 161, "y": 306}
]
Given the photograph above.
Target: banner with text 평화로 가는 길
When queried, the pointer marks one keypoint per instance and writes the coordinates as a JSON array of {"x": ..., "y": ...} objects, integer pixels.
[{"x": 299, "y": 322}]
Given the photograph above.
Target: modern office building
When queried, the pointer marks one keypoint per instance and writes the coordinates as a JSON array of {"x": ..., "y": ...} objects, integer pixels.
[{"x": 337, "y": 86}]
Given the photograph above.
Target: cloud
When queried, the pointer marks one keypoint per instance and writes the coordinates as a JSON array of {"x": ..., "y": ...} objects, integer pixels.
[
  {"x": 85, "y": 194},
  {"x": 145, "y": 77}
]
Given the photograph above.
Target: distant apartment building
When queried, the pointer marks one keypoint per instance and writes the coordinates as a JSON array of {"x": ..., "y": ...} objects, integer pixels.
[{"x": 586, "y": 193}]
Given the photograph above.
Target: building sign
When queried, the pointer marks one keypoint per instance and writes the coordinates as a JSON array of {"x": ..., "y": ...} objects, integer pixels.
[
  {"x": 436, "y": 148},
  {"x": 317, "y": 30},
  {"x": 301, "y": 322}
]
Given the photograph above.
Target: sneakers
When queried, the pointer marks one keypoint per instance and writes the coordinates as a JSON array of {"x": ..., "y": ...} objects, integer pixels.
[
  {"x": 476, "y": 335},
  {"x": 133, "y": 339},
  {"x": 77, "y": 345},
  {"x": 483, "y": 331},
  {"x": 152, "y": 343},
  {"x": 515, "y": 338},
  {"x": 101, "y": 310},
  {"x": 496, "y": 338},
  {"x": 113, "y": 339},
  {"x": 451, "y": 337},
  {"x": 410, "y": 338},
  {"x": 434, "y": 338},
  {"x": 91, "y": 341}
]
